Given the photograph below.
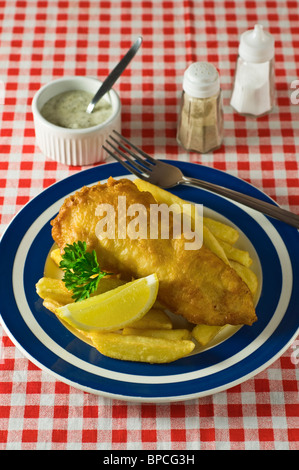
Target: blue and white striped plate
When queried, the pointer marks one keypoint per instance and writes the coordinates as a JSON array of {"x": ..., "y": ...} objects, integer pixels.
[{"x": 47, "y": 343}]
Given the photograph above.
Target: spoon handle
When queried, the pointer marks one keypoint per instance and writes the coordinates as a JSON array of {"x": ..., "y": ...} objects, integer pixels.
[{"x": 113, "y": 76}]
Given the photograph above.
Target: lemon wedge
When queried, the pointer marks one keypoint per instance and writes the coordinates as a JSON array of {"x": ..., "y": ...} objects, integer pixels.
[{"x": 114, "y": 309}]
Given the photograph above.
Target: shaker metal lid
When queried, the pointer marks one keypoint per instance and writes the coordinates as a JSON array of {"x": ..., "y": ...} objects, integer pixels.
[
  {"x": 256, "y": 45},
  {"x": 201, "y": 80}
]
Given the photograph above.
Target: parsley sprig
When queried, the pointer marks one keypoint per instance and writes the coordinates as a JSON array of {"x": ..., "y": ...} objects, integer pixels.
[{"x": 82, "y": 272}]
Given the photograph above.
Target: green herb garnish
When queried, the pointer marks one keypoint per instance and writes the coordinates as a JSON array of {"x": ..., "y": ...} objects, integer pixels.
[{"x": 82, "y": 272}]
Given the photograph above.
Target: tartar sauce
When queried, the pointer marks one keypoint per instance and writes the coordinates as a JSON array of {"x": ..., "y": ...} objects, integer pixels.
[{"x": 68, "y": 109}]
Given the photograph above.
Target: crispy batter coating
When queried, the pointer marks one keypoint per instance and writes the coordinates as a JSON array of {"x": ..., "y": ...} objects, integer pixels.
[{"x": 193, "y": 283}]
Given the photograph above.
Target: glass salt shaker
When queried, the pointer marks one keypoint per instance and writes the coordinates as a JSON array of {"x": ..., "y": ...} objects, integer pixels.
[
  {"x": 200, "y": 126},
  {"x": 253, "y": 90}
]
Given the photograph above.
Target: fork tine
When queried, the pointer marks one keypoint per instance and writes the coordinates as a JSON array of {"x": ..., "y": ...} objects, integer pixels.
[
  {"x": 128, "y": 167},
  {"x": 136, "y": 156},
  {"x": 128, "y": 158},
  {"x": 145, "y": 155}
]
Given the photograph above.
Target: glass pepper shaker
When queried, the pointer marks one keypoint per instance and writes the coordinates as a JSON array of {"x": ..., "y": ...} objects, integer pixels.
[
  {"x": 200, "y": 126},
  {"x": 253, "y": 89}
]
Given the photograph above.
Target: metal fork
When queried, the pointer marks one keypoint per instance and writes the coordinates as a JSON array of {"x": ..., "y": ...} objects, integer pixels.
[{"x": 167, "y": 176}]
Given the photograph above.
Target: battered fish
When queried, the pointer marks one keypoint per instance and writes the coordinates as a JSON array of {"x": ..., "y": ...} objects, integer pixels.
[{"x": 193, "y": 283}]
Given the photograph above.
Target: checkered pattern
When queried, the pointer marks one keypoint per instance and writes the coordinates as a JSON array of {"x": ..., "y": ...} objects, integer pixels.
[{"x": 42, "y": 40}]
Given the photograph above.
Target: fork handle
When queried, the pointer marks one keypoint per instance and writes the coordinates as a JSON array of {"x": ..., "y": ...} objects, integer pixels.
[{"x": 261, "y": 206}]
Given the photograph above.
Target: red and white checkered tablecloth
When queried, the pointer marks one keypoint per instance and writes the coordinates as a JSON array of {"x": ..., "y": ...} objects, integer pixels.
[{"x": 45, "y": 39}]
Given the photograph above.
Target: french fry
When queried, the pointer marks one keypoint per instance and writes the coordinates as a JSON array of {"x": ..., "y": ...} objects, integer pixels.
[
  {"x": 106, "y": 284},
  {"x": 55, "y": 289},
  {"x": 221, "y": 230},
  {"x": 205, "y": 333},
  {"x": 154, "y": 319},
  {"x": 162, "y": 196},
  {"x": 158, "y": 305},
  {"x": 176, "y": 334},
  {"x": 140, "y": 348},
  {"x": 235, "y": 254},
  {"x": 48, "y": 288},
  {"x": 211, "y": 242},
  {"x": 52, "y": 304},
  {"x": 56, "y": 256},
  {"x": 248, "y": 276}
]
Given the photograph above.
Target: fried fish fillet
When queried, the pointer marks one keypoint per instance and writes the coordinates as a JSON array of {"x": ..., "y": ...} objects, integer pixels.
[{"x": 193, "y": 283}]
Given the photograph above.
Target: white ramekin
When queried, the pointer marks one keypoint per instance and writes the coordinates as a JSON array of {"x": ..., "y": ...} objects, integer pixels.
[{"x": 73, "y": 146}]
